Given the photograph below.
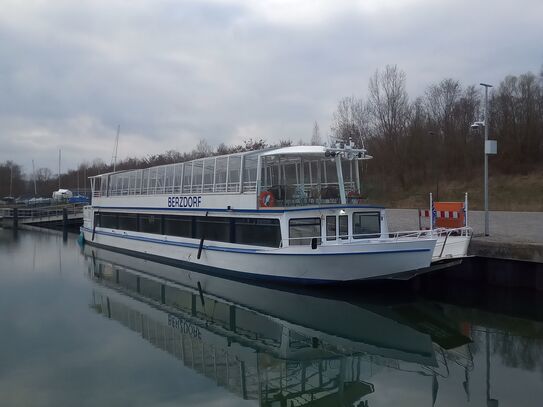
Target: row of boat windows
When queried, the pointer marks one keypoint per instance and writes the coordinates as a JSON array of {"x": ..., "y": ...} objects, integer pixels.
[{"x": 250, "y": 231}]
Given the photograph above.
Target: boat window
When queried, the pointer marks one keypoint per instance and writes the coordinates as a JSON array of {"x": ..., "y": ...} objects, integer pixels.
[
  {"x": 220, "y": 174},
  {"x": 343, "y": 227},
  {"x": 138, "y": 189},
  {"x": 160, "y": 180},
  {"x": 366, "y": 225},
  {"x": 234, "y": 165},
  {"x": 145, "y": 181},
  {"x": 178, "y": 174},
  {"x": 187, "y": 177},
  {"x": 108, "y": 220},
  {"x": 128, "y": 221},
  {"x": 209, "y": 171},
  {"x": 302, "y": 230},
  {"x": 152, "y": 180},
  {"x": 259, "y": 232},
  {"x": 330, "y": 228},
  {"x": 197, "y": 175},
  {"x": 168, "y": 185},
  {"x": 213, "y": 228},
  {"x": 150, "y": 224},
  {"x": 178, "y": 226},
  {"x": 249, "y": 173}
]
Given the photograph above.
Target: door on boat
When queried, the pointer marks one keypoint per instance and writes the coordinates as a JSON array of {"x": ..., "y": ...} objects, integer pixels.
[{"x": 337, "y": 227}]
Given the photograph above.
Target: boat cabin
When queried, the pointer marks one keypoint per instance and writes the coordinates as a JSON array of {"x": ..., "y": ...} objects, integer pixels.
[{"x": 291, "y": 196}]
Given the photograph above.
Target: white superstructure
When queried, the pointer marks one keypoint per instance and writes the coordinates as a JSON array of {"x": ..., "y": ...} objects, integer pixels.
[{"x": 290, "y": 214}]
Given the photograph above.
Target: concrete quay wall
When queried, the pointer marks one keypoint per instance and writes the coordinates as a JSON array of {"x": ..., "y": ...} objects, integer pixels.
[{"x": 513, "y": 235}]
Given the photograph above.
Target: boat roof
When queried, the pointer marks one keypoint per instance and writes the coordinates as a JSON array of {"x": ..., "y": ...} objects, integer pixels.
[
  {"x": 312, "y": 151},
  {"x": 296, "y": 150}
]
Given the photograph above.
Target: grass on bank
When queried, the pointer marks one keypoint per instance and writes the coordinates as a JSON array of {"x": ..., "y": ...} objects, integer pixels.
[{"x": 506, "y": 192}]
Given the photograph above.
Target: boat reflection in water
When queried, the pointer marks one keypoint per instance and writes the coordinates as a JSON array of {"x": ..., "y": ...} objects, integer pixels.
[{"x": 277, "y": 347}]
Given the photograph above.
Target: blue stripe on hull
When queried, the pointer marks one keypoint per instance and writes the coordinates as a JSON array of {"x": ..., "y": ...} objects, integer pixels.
[{"x": 243, "y": 250}]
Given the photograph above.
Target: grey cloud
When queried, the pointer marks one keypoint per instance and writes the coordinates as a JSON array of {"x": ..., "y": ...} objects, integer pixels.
[{"x": 172, "y": 72}]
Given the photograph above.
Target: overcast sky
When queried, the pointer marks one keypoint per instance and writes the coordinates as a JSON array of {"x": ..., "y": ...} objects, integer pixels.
[{"x": 171, "y": 72}]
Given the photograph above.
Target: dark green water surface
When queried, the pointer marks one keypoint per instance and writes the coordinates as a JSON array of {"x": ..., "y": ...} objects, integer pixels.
[{"x": 88, "y": 327}]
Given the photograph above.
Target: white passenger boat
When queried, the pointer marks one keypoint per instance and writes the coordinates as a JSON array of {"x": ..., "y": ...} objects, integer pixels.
[{"x": 291, "y": 214}]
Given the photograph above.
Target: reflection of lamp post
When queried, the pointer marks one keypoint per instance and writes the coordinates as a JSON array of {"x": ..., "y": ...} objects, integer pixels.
[
  {"x": 489, "y": 402},
  {"x": 490, "y": 148}
]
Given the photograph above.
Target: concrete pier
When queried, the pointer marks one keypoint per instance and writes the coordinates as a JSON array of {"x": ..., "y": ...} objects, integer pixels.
[{"x": 513, "y": 235}]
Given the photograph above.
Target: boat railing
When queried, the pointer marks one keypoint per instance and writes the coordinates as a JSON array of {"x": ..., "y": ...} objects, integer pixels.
[
  {"x": 356, "y": 238},
  {"x": 463, "y": 231}
]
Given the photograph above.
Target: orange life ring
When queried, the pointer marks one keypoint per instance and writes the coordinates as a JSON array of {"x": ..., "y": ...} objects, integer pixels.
[{"x": 266, "y": 199}]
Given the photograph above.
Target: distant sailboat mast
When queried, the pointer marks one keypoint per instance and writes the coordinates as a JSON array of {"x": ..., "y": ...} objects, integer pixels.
[
  {"x": 59, "y": 168},
  {"x": 34, "y": 176},
  {"x": 115, "y": 148}
]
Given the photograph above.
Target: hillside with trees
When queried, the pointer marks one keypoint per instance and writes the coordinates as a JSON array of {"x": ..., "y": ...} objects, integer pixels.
[{"x": 419, "y": 145}]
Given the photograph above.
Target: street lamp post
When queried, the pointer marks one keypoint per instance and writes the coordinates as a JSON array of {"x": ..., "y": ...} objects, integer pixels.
[
  {"x": 490, "y": 148},
  {"x": 485, "y": 120}
]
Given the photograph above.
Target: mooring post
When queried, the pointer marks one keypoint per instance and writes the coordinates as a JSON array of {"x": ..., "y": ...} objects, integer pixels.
[
  {"x": 64, "y": 218},
  {"x": 15, "y": 218}
]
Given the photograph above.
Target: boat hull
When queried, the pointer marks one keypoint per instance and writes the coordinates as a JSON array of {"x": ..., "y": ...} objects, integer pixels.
[{"x": 300, "y": 265}]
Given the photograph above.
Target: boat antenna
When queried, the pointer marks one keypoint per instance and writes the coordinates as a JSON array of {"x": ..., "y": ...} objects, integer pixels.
[{"x": 115, "y": 148}]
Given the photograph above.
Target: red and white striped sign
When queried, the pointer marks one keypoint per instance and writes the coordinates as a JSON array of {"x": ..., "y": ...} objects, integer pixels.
[{"x": 425, "y": 213}]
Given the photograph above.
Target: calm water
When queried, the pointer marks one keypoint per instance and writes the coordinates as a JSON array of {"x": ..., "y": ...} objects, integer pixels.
[{"x": 91, "y": 327}]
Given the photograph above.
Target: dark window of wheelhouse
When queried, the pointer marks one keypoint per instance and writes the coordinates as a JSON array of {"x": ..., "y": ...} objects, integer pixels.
[
  {"x": 331, "y": 228},
  {"x": 213, "y": 228},
  {"x": 178, "y": 226},
  {"x": 258, "y": 232},
  {"x": 128, "y": 221},
  {"x": 366, "y": 225},
  {"x": 343, "y": 227},
  {"x": 150, "y": 224},
  {"x": 108, "y": 220},
  {"x": 302, "y": 230}
]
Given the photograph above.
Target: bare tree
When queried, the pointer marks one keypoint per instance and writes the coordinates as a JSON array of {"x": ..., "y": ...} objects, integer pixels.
[
  {"x": 203, "y": 149},
  {"x": 390, "y": 111},
  {"x": 389, "y": 103},
  {"x": 316, "y": 136},
  {"x": 350, "y": 121}
]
